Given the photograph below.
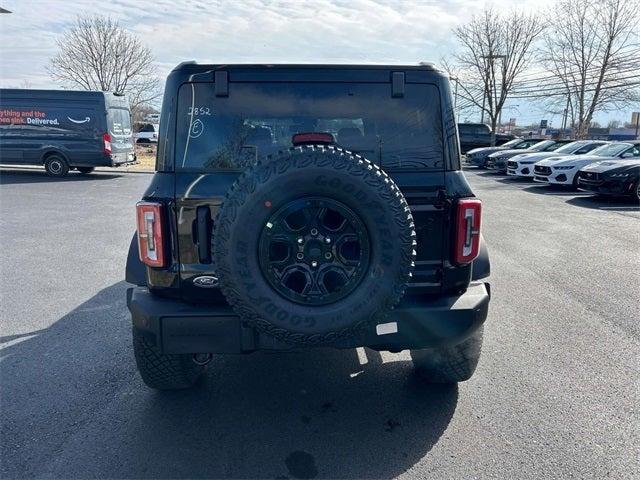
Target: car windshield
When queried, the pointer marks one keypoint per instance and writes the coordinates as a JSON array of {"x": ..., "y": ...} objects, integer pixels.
[
  {"x": 570, "y": 147},
  {"x": 611, "y": 150},
  {"x": 545, "y": 145},
  {"x": 512, "y": 143}
]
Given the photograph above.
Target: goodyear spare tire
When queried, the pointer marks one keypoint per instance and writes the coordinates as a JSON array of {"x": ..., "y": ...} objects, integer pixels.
[{"x": 313, "y": 244}]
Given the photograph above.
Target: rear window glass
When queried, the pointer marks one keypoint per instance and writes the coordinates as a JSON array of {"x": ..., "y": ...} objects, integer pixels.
[
  {"x": 119, "y": 121},
  {"x": 258, "y": 119}
]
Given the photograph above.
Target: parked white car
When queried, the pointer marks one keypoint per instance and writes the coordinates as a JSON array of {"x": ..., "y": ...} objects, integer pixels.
[
  {"x": 522, "y": 165},
  {"x": 147, "y": 133},
  {"x": 562, "y": 170}
]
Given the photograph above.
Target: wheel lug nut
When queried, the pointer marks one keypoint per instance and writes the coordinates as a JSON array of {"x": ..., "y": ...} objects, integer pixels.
[
  {"x": 300, "y": 240},
  {"x": 300, "y": 256},
  {"x": 314, "y": 264},
  {"x": 327, "y": 255},
  {"x": 314, "y": 231}
]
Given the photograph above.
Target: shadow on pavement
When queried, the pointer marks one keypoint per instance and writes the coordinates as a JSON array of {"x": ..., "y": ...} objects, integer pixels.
[
  {"x": 552, "y": 189},
  {"x": 483, "y": 172},
  {"x": 9, "y": 177},
  {"x": 507, "y": 179},
  {"x": 603, "y": 202},
  {"x": 73, "y": 406}
]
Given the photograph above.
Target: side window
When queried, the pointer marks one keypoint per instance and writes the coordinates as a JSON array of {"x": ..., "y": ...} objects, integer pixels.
[{"x": 635, "y": 151}]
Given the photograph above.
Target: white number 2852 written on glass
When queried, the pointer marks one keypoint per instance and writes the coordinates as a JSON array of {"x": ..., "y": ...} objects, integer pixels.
[{"x": 194, "y": 111}]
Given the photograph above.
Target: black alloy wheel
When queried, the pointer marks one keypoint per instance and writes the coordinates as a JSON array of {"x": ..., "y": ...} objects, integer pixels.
[{"x": 314, "y": 251}]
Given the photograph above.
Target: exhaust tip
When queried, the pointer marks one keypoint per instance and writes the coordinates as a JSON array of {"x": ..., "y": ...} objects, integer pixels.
[{"x": 201, "y": 358}]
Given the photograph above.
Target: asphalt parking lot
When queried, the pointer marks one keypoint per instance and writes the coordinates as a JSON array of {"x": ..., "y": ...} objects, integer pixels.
[{"x": 555, "y": 394}]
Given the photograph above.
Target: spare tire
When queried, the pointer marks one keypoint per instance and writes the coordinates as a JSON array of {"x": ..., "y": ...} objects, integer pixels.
[{"x": 313, "y": 244}]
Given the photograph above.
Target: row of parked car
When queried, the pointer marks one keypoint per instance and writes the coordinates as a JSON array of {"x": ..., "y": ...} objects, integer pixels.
[{"x": 606, "y": 168}]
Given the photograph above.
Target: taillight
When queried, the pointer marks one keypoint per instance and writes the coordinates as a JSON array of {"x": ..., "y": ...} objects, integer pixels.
[
  {"x": 106, "y": 140},
  {"x": 467, "y": 230},
  {"x": 150, "y": 228}
]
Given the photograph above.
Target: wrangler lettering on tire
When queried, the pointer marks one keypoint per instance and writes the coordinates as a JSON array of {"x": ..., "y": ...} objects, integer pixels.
[{"x": 302, "y": 245}]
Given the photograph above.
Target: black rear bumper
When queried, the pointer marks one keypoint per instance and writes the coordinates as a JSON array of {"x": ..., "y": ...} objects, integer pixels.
[{"x": 178, "y": 327}]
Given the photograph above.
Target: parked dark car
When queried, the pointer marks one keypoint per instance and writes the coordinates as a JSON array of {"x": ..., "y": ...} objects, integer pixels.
[
  {"x": 476, "y": 135},
  {"x": 64, "y": 129},
  {"x": 299, "y": 206},
  {"x": 618, "y": 176},
  {"x": 498, "y": 161},
  {"x": 479, "y": 156}
]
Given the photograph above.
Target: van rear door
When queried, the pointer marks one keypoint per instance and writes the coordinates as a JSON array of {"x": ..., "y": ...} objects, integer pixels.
[{"x": 120, "y": 133}]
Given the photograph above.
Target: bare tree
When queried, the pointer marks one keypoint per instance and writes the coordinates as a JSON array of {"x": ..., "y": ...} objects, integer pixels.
[
  {"x": 494, "y": 50},
  {"x": 592, "y": 53},
  {"x": 98, "y": 54}
]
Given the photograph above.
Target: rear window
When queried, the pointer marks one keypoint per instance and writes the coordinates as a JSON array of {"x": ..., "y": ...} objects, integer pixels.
[
  {"x": 258, "y": 119},
  {"x": 119, "y": 121}
]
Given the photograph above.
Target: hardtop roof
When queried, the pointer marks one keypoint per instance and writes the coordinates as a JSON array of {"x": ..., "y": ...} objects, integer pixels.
[{"x": 193, "y": 65}]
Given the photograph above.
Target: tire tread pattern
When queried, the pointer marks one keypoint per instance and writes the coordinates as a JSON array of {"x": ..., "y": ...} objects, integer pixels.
[
  {"x": 163, "y": 371},
  {"x": 449, "y": 364},
  {"x": 300, "y": 158}
]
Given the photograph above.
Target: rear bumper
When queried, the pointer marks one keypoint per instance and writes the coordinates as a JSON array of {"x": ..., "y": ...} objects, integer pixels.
[
  {"x": 178, "y": 327},
  {"x": 123, "y": 159}
]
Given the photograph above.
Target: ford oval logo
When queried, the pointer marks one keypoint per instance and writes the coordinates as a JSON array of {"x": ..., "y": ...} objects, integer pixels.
[{"x": 206, "y": 281}]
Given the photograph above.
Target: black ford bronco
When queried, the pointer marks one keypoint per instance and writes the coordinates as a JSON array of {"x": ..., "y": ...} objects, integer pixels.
[{"x": 298, "y": 206}]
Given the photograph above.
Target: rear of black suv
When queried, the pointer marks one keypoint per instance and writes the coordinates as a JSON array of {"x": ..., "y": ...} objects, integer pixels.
[{"x": 297, "y": 206}]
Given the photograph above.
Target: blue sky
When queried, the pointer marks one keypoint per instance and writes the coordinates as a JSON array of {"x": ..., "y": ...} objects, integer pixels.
[{"x": 319, "y": 31}]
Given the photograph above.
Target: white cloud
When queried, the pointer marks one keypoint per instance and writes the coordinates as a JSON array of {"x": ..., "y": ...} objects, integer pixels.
[
  {"x": 247, "y": 31},
  {"x": 320, "y": 31}
]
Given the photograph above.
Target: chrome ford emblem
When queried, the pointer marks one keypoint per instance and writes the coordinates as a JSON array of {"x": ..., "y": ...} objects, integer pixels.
[{"x": 206, "y": 281}]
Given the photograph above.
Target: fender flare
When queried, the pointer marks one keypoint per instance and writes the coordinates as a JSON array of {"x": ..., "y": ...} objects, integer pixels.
[
  {"x": 136, "y": 271},
  {"x": 481, "y": 267},
  {"x": 53, "y": 150}
]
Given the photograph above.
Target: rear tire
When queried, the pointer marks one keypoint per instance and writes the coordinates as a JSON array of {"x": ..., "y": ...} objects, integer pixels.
[
  {"x": 85, "y": 170},
  {"x": 163, "y": 371},
  {"x": 451, "y": 364},
  {"x": 56, "y": 166}
]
